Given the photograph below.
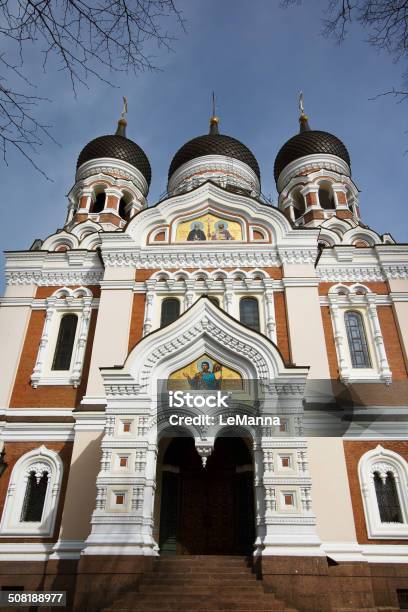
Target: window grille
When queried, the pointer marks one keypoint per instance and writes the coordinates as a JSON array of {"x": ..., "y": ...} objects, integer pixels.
[
  {"x": 249, "y": 313},
  {"x": 357, "y": 341},
  {"x": 387, "y": 498}
]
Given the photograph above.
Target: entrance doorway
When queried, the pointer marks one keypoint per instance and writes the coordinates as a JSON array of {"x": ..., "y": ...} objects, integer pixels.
[{"x": 207, "y": 510}]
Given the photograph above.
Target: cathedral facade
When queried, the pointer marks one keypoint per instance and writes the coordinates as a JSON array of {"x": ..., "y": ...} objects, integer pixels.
[{"x": 299, "y": 311}]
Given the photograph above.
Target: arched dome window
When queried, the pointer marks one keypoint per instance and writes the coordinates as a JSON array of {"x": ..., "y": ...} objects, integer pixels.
[
  {"x": 326, "y": 196},
  {"x": 350, "y": 200},
  {"x": 249, "y": 312},
  {"x": 123, "y": 206},
  {"x": 298, "y": 204},
  {"x": 99, "y": 203},
  {"x": 170, "y": 311}
]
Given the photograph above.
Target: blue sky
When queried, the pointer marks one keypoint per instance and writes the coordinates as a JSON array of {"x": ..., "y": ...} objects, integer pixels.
[{"x": 256, "y": 57}]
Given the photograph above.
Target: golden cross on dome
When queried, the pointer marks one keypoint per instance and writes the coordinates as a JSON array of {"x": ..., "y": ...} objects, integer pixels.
[
  {"x": 125, "y": 107},
  {"x": 301, "y": 103}
]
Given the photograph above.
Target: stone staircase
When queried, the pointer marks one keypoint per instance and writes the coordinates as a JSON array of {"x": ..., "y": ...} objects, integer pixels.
[{"x": 199, "y": 583}]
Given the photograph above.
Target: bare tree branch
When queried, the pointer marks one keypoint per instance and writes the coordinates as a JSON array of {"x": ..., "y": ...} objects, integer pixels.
[
  {"x": 386, "y": 22},
  {"x": 88, "y": 37}
]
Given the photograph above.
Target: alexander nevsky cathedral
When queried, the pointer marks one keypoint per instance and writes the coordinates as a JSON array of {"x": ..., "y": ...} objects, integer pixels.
[{"x": 293, "y": 496}]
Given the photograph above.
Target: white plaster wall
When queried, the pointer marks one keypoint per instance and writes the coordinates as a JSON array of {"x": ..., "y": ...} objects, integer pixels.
[
  {"x": 401, "y": 313},
  {"x": 110, "y": 346},
  {"x": 331, "y": 499},
  {"x": 13, "y": 326},
  {"x": 306, "y": 333},
  {"x": 81, "y": 489}
]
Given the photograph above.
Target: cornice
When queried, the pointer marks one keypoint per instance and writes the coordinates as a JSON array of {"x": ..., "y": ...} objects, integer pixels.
[
  {"x": 296, "y": 255},
  {"x": 55, "y": 277},
  {"x": 204, "y": 258},
  {"x": 350, "y": 273},
  {"x": 76, "y": 267},
  {"x": 36, "y": 304},
  {"x": 379, "y": 300}
]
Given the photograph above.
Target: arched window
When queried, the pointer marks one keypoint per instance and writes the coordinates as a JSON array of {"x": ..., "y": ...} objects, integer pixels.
[
  {"x": 123, "y": 206},
  {"x": 99, "y": 203},
  {"x": 298, "y": 204},
  {"x": 249, "y": 312},
  {"x": 170, "y": 311},
  {"x": 326, "y": 197},
  {"x": 383, "y": 476},
  {"x": 65, "y": 342},
  {"x": 357, "y": 341},
  {"x": 31, "y": 502},
  {"x": 34, "y": 498},
  {"x": 387, "y": 498}
]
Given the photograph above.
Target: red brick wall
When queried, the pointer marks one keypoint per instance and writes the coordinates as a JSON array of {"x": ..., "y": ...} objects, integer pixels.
[
  {"x": 137, "y": 318},
  {"x": 282, "y": 333},
  {"x": 44, "y": 292},
  {"x": 24, "y": 395},
  {"x": 380, "y": 288},
  {"x": 392, "y": 342},
  {"x": 15, "y": 450},
  {"x": 330, "y": 345},
  {"x": 353, "y": 450}
]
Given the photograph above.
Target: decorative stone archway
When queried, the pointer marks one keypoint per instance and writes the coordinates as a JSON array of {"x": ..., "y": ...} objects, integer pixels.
[{"x": 123, "y": 519}]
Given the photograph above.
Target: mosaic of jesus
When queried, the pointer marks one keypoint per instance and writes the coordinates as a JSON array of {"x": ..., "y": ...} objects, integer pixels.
[{"x": 205, "y": 373}]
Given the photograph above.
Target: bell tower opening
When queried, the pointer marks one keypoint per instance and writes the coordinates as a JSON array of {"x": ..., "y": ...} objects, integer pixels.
[{"x": 206, "y": 510}]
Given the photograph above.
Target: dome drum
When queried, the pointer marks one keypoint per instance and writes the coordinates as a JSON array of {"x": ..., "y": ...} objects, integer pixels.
[
  {"x": 228, "y": 172},
  {"x": 115, "y": 168},
  {"x": 216, "y": 157}
]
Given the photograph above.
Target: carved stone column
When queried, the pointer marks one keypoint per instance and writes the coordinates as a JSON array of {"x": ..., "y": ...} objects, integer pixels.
[
  {"x": 228, "y": 295},
  {"x": 339, "y": 341},
  {"x": 269, "y": 311},
  {"x": 150, "y": 293},
  {"x": 378, "y": 339}
]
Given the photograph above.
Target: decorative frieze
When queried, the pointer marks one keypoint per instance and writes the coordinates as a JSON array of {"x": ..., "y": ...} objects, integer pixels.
[
  {"x": 350, "y": 274},
  {"x": 151, "y": 259},
  {"x": 58, "y": 278}
]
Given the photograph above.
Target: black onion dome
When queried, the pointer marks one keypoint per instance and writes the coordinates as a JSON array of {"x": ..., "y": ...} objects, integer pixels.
[
  {"x": 214, "y": 144},
  {"x": 309, "y": 142},
  {"x": 118, "y": 147}
]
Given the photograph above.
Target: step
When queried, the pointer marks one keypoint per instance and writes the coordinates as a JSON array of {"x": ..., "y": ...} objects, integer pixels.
[
  {"x": 201, "y": 608},
  {"x": 198, "y": 578},
  {"x": 254, "y": 587},
  {"x": 196, "y": 564},
  {"x": 157, "y": 598},
  {"x": 176, "y": 568},
  {"x": 206, "y": 606}
]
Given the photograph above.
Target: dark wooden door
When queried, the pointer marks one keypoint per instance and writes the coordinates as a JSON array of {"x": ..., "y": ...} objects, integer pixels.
[{"x": 215, "y": 513}]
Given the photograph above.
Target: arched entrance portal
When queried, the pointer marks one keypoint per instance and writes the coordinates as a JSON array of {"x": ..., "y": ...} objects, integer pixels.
[{"x": 206, "y": 510}]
